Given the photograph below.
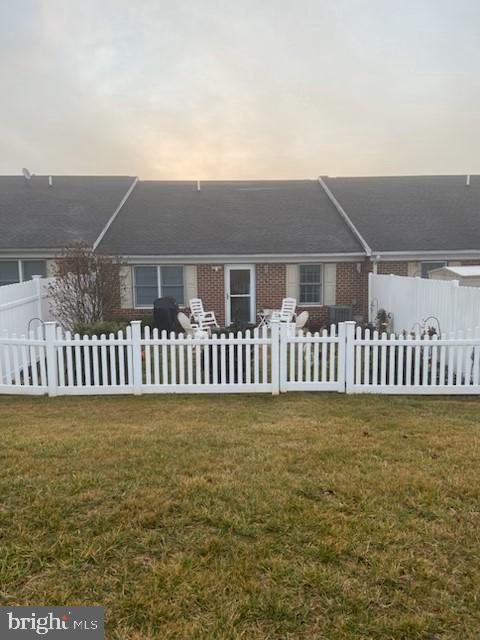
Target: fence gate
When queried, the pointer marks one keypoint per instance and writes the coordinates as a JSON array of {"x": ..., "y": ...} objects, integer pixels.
[{"x": 312, "y": 362}]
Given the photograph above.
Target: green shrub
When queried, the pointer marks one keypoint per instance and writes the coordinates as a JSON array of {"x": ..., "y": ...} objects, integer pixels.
[
  {"x": 97, "y": 328},
  {"x": 146, "y": 320},
  {"x": 110, "y": 326}
]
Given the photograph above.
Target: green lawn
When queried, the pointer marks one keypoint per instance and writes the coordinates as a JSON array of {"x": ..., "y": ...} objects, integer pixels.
[{"x": 316, "y": 516}]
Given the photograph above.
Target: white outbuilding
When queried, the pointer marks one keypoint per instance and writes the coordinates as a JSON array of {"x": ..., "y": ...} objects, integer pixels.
[{"x": 467, "y": 276}]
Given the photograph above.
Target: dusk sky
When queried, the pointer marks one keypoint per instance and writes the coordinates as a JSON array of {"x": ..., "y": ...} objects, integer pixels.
[{"x": 240, "y": 89}]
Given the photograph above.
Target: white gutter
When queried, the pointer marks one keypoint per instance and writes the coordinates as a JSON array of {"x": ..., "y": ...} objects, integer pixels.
[
  {"x": 114, "y": 214},
  {"x": 345, "y": 216},
  {"x": 467, "y": 254},
  {"x": 29, "y": 253},
  {"x": 241, "y": 259}
]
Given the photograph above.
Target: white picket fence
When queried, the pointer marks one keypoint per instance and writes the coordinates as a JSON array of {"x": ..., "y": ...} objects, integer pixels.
[
  {"x": 413, "y": 364},
  {"x": 277, "y": 360},
  {"x": 413, "y": 301},
  {"x": 22, "y": 303},
  {"x": 232, "y": 363}
]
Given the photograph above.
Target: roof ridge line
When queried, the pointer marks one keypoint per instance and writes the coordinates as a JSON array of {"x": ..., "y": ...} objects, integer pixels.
[
  {"x": 345, "y": 217},
  {"x": 114, "y": 214}
]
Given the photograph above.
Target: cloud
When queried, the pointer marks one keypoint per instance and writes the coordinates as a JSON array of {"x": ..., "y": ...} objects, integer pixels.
[{"x": 231, "y": 90}]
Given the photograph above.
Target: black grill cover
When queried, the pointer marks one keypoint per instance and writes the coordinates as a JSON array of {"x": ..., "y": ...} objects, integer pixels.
[{"x": 165, "y": 314}]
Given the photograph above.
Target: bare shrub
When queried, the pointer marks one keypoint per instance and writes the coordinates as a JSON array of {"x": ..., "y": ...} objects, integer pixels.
[{"x": 86, "y": 287}]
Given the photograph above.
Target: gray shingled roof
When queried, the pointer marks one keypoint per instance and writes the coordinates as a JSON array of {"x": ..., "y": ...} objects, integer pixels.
[
  {"x": 420, "y": 213},
  {"x": 36, "y": 216},
  {"x": 417, "y": 213},
  {"x": 259, "y": 217}
]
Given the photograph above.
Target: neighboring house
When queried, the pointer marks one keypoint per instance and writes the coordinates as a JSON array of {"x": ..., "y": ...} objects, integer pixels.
[
  {"x": 243, "y": 245},
  {"x": 41, "y": 216},
  {"x": 468, "y": 276}
]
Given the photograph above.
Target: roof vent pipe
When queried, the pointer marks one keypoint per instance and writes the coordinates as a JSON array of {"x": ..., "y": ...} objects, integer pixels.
[
  {"x": 467, "y": 183},
  {"x": 50, "y": 181},
  {"x": 198, "y": 185}
]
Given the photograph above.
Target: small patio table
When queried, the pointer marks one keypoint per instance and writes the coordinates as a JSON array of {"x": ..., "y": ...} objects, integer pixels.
[{"x": 264, "y": 316}]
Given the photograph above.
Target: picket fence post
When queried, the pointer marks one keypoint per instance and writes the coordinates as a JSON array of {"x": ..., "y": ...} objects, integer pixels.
[
  {"x": 284, "y": 332},
  {"x": 342, "y": 348},
  {"x": 137, "y": 356},
  {"x": 349, "y": 355},
  {"x": 38, "y": 289},
  {"x": 50, "y": 352},
  {"x": 275, "y": 337}
]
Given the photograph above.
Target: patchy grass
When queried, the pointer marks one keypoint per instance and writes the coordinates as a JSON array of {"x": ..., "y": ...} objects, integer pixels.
[{"x": 315, "y": 516}]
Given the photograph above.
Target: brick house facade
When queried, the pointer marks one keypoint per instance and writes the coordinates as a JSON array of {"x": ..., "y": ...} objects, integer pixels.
[
  {"x": 211, "y": 289},
  {"x": 207, "y": 281}
]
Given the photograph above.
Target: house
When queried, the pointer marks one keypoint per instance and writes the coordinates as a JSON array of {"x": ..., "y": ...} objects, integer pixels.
[
  {"x": 468, "y": 276},
  {"x": 40, "y": 216},
  {"x": 243, "y": 245}
]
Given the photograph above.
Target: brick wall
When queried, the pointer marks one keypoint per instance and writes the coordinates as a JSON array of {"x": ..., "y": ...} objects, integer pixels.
[
  {"x": 317, "y": 316},
  {"x": 397, "y": 268},
  {"x": 352, "y": 280},
  {"x": 211, "y": 289},
  {"x": 351, "y": 289},
  {"x": 271, "y": 285},
  {"x": 129, "y": 314}
]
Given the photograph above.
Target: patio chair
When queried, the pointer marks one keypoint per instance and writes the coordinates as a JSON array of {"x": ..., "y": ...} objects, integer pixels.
[
  {"x": 301, "y": 320},
  {"x": 190, "y": 329},
  {"x": 286, "y": 313},
  {"x": 204, "y": 319}
]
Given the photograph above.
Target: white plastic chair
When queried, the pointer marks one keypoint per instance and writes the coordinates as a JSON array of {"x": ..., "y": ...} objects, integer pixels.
[
  {"x": 204, "y": 319},
  {"x": 190, "y": 329},
  {"x": 286, "y": 313},
  {"x": 301, "y": 320}
]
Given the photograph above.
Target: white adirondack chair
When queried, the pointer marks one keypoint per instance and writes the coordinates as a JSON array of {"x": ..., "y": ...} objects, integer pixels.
[
  {"x": 286, "y": 313},
  {"x": 205, "y": 319},
  {"x": 190, "y": 329},
  {"x": 301, "y": 320}
]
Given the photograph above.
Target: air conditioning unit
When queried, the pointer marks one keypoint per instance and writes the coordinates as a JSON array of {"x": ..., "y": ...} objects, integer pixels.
[{"x": 339, "y": 313}]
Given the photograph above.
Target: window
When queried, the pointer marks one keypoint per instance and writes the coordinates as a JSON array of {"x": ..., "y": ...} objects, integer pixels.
[
  {"x": 32, "y": 268},
  {"x": 146, "y": 286},
  {"x": 9, "y": 272},
  {"x": 430, "y": 266},
  {"x": 157, "y": 282},
  {"x": 311, "y": 284},
  {"x": 171, "y": 283},
  {"x": 12, "y": 271}
]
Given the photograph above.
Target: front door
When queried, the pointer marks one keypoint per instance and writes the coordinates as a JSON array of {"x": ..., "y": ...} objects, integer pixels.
[{"x": 240, "y": 294}]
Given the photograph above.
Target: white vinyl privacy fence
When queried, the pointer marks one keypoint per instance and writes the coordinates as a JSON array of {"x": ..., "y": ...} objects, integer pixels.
[
  {"x": 272, "y": 361},
  {"x": 419, "y": 302},
  {"x": 24, "y": 305}
]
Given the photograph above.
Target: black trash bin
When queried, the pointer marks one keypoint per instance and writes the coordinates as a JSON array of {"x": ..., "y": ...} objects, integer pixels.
[{"x": 165, "y": 312}]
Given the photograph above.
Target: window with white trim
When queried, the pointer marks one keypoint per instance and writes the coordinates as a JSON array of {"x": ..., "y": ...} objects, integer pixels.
[
  {"x": 9, "y": 272},
  {"x": 426, "y": 267},
  {"x": 32, "y": 268},
  {"x": 311, "y": 284},
  {"x": 152, "y": 282},
  {"x": 13, "y": 271}
]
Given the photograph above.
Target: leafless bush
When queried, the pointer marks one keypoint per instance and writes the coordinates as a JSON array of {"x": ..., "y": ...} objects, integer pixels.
[{"x": 86, "y": 287}]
